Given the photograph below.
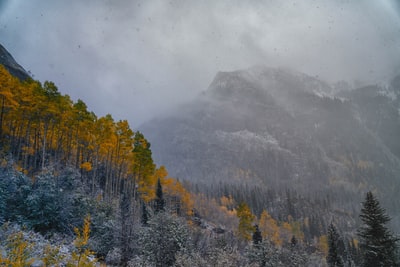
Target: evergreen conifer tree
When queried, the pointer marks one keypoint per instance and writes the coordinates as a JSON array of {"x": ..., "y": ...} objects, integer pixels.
[
  {"x": 333, "y": 259},
  {"x": 257, "y": 237},
  {"x": 164, "y": 237},
  {"x": 293, "y": 242},
  {"x": 378, "y": 245},
  {"x": 145, "y": 215},
  {"x": 159, "y": 202}
]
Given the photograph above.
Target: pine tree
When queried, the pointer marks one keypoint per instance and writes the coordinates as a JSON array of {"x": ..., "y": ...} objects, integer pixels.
[
  {"x": 333, "y": 259},
  {"x": 145, "y": 215},
  {"x": 164, "y": 237},
  {"x": 263, "y": 254},
  {"x": 126, "y": 227},
  {"x": 378, "y": 245},
  {"x": 44, "y": 206},
  {"x": 159, "y": 202},
  {"x": 257, "y": 237},
  {"x": 293, "y": 242}
]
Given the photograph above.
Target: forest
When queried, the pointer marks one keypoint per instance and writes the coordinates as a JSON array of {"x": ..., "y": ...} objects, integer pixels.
[{"x": 82, "y": 190}]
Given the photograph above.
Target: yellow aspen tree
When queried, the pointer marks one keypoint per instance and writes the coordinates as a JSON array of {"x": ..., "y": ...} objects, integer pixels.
[
  {"x": 123, "y": 152},
  {"x": 18, "y": 252},
  {"x": 246, "y": 219},
  {"x": 286, "y": 232},
  {"x": 227, "y": 202},
  {"x": 82, "y": 256},
  {"x": 24, "y": 118},
  {"x": 83, "y": 122},
  {"x": 7, "y": 101},
  {"x": 269, "y": 228},
  {"x": 104, "y": 134},
  {"x": 52, "y": 256},
  {"x": 181, "y": 199},
  {"x": 323, "y": 244}
]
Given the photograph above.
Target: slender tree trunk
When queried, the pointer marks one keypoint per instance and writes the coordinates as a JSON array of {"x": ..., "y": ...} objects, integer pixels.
[
  {"x": 1, "y": 117},
  {"x": 44, "y": 145}
]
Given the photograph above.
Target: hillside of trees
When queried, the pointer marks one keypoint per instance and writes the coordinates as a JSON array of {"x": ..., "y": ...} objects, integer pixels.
[{"x": 82, "y": 190}]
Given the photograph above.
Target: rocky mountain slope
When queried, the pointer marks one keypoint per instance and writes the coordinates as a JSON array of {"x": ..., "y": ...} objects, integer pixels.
[
  {"x": 279, "y": 129},
  {"x": 11, "y": 65}
]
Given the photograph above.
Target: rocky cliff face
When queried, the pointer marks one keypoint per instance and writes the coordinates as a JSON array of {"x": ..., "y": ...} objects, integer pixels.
[
  {"x": 276, "y": 128},
  {"x": 11, "y": 65}
]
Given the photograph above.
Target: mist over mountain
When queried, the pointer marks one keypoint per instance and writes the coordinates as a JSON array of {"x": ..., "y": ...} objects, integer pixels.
[{"x": 280, "y": 129}]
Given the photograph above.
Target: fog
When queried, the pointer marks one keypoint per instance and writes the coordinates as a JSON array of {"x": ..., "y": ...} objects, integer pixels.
[{"x": 136, "y": 59}]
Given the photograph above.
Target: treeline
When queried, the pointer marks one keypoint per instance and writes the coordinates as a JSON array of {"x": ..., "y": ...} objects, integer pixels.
[
  {"x": 42, "y": 129},
  {"x": 311, "y": 215},
  {"x": 284, "y": 219}
]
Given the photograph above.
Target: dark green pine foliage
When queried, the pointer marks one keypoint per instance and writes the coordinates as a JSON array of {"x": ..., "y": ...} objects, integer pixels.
[
  {"x": 293, "y": 242},
  {"x": 145, "y": 215},
  {"x": 333, "y": 259},
  {"x": 126, "y": 229},
  {"x": 378, "y": 245},
  {"x": 43, "y": 205},
  {"x": 159, "y": 202},
  {"x": 257, "y": 237},
  {"x": 164, "y": 237},
  {"x": 143, "y": 166}
]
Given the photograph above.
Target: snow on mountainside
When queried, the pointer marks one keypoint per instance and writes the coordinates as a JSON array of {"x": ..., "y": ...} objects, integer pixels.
[
  {"x": 283, "y": 129},
  {"x": 249, "y": 139}
]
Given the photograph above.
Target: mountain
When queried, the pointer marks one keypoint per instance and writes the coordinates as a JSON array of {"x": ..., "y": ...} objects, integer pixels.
[
  {"x": 11, "y": 65},
  {"x": 283, "y": 130},
  {"x": 275, "y": 145}
]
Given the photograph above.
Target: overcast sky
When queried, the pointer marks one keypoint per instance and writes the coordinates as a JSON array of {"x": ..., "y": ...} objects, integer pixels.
[{"x": 135, "y": 59}]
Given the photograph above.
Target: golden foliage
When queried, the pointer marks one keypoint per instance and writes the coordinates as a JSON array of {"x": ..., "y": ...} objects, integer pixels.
[
  {"x": 82, "y": 256},
  {"x": 52, "y": 256},
  {"x": 18, "y": 252},
  {"x": 227, "y": 202},
  {"x": 86, "y": 166},
  {"x": 174, "y": 190},
  {"x": 246, "y": 218},
  {"x": 323, "y": 244},
  {"x": 269, "y": 228},
  {"x": 355, "y": 243}
]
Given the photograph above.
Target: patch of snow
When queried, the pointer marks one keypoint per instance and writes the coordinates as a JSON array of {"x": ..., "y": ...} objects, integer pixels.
[
  {"x": 389, "y": 94},
  {"x": 247, "y": 137},
  {"x": 321, "y": 94}
]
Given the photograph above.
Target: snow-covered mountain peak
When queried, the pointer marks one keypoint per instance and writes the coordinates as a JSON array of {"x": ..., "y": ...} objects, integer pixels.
[{"x": 278, "y": 82}]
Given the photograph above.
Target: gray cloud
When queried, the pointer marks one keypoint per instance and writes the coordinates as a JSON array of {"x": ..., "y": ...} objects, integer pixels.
[{"x": 135, "y": 59}]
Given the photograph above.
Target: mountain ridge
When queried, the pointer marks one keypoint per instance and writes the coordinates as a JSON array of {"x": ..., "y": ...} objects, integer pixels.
[
  {"x": 7, "y": 60},
  {"x": 279, "y": 129}
]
